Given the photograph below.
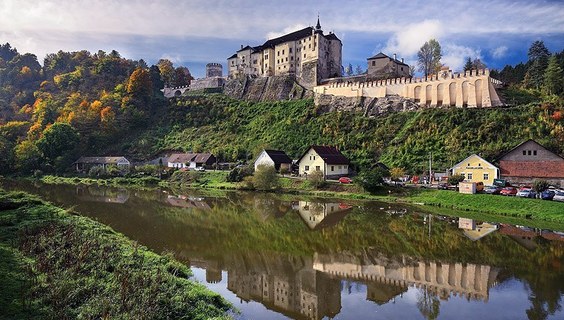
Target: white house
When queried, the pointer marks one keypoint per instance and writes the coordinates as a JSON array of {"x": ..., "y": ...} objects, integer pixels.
[
  {"x": 326, "y": 159},
  {"x": 84, "y": 164},
  {"x": 190, "y": 160},
  {"x": 274, "y": 158}
]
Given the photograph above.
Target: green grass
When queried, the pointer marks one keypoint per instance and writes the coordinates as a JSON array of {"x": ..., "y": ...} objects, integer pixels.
[
  {"x": 144, "y": 182},
  {"x": 61, "y": 266},
  {"x": 535, "y": 209}
]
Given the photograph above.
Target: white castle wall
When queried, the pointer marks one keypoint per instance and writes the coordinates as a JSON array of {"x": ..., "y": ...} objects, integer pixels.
[{"x": 473, "y": 88}]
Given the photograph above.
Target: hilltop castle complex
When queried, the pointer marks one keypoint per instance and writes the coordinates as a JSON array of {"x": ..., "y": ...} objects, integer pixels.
[{"x": 307, "y": 54}]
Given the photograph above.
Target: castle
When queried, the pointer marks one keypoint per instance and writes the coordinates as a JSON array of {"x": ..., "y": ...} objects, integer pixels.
[
  {"x": 473, "y": 88},
  {"x": 308, "y": 54}
]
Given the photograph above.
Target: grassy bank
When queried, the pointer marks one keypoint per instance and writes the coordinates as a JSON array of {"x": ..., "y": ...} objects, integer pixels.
[
  {"x": 535, "y": 209},
  {"x": 144, "y": 182},
  {"x": 54, "y": 265}
]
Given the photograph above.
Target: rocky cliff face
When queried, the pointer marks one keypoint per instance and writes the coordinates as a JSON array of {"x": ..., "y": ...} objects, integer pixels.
[
  {"x": 368, "y": 106},
  {"x": 265, "y": 89}
]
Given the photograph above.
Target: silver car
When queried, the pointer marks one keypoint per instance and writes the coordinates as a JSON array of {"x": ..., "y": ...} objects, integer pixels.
[{"x": 559, "y": 196}]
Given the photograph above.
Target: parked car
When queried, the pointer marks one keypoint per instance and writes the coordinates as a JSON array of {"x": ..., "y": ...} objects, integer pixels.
[
  {"x": 547, "y": 194},
  {"x": 508, "y": 191},
  {"x": 345, "y": 180},
  {"x": 492, "y": 189},
  {"x": 526, "y": 193},
  {"x": 443, "y": 186},
  {"x": 201, "y": 169},
  {"x": 559, "y": 196}
]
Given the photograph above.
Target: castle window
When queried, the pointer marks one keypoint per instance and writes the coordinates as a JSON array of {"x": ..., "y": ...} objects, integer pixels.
[
  {"x": 373, "y": 63},
  {"x": 266, "y": 56},
  {"x": 290, "y": 50},
  {"x": 401, "y": 68},
  {"x": 282, "y": 51},
  {"x": 278, "y": 53},
  {"x": 292, "y": 58},
  {"x": 310, "y": 45},
  {"x": 304, "y": 55},
  {"x": 286, "y": 59}
]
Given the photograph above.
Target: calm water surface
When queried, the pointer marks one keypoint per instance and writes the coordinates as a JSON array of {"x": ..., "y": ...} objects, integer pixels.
[{"x": 279, "y": 257}]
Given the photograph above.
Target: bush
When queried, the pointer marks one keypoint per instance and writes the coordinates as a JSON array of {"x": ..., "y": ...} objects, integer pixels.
[
  {"x": 316, "y": 179},
  {"x": 265, "y": 178},
  {"x": 455, "y": 179},
  {"x": 96, "y": 172},
  {"x": 371, "y": 180},
  {"x": 238, "y": 174}
]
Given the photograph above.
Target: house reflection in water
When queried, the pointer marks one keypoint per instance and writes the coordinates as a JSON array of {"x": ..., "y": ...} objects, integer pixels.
[
  {"x": 102, "y": 194},
  {"x": 475, "y": 231},
  {"x": 528, "y": 237},
  {"x": 318, "y": 215},
  {"x": 187, "y": 202}
]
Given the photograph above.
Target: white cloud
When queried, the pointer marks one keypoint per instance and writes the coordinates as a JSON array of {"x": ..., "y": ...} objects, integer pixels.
[
  {"x": 295, "y": 27},
  {"x": 499, "y": 52},
  {"x": 408, "y": 41},
  {"x": 454, "y": 55}
]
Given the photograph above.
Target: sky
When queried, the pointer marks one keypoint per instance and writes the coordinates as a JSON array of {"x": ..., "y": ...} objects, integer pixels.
[{"x": 192, "y": 32}]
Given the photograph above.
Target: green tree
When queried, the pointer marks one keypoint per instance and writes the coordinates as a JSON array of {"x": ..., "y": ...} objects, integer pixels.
[
  {"x": 265, "y": 178},
  {"x": 58, "y": 145},
  {"x": 468, "y": 65},
  {"x": 429, "y": 57},
  {"x": 455, "y": 179},
  {"x": 28, "y": 156},
  {"x": 538, "y": 61},
  {"x": 540, "y": 185},
  {"x": 372, "y": 180},
  {"x": 554, "y": 77},
  {"x": 7, "y": 152}
]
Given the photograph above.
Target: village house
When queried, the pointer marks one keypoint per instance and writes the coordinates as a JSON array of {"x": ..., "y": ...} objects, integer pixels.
[
  {"x": 530, "y": 161},
  {"x": 84, "y": 164},
  {"x": 327, "y": 159},
  {"x": 274, "y": 158},
  {"x": 476, "y": 169},
  {"x": 191, "y": 160},
  {"x": 381, "y": 66},
  {"x": 308, "y": 54}
]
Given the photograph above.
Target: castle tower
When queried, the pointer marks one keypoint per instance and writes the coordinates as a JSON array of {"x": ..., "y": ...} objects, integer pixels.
[
  {"x": 214, "y": 70},
  {"x": 318, "y": 26}
]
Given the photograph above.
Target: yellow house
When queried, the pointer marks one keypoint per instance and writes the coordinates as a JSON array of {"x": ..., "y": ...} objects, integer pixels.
[
  {"x": 326, "y": 159},
  {"x": 476, "y": 169}
]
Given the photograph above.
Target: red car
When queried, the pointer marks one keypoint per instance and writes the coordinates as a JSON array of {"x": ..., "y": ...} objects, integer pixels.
[
  {"x": 508, "y": 191},
  {"x": 345, "y": 180}
]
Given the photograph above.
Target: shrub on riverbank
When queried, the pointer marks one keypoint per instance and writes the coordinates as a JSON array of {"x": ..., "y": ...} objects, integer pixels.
[{"x": 55, "y": 265}]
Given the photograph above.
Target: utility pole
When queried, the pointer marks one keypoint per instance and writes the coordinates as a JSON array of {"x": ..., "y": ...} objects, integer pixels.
[{"x": 430, "y": 170}]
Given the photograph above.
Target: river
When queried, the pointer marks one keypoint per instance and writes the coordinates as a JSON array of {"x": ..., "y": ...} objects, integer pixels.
[{"x": 288, "y": 256}]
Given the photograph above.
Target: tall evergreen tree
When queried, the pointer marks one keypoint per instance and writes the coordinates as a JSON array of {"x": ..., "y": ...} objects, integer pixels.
[
  {"x": 538, "y": 61},
  {"x": 554, "y": 77},
  {"x": 468, "y": 64}
]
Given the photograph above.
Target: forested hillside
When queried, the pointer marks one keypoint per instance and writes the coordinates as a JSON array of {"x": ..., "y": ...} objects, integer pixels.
[{"x": 79, "y": 103}]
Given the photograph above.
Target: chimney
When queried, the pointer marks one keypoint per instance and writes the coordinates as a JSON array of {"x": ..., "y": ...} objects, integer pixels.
[
  {"x": 395, "y": 57},
  {"x": 401, "y": 60},
  {"x": 241, "y": 47}
]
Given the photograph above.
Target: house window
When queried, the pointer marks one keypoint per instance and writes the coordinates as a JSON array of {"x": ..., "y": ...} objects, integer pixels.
[
  {"x": 313, "y": 157},
  {"x": 524, "y": 152},
  {"x": 463, "y": 175},
  {"x": 529, "y": 152},
  {"x": 332, "y": 168},
  {"x": 318, "y": 168},
  {"x": 469, "y": 176},
  {"x": 306, "y": 168},
  {"x": 534, "y": 152},
  {"x": 486, "y": 176}
]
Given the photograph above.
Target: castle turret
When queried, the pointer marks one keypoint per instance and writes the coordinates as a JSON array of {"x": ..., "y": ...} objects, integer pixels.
[{"x": 318, "y": 26}]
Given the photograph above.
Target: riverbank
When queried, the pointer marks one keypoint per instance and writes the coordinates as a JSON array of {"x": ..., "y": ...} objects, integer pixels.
[
  {"x": 519, "y": 210},
  {"x": 54, "y": 264}
]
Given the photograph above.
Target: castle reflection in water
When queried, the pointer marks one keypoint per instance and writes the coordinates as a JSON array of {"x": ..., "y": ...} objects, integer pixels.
[{"x": 310, "y": 288}]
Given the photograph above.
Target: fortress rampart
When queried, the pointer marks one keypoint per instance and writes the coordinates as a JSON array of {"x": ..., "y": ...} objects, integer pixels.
[{"x": 474, "y": 88}]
